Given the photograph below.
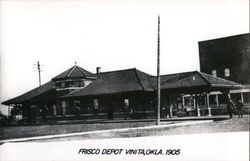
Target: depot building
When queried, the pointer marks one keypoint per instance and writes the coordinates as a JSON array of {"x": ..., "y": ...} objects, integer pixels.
[{"x": 122, "y": 94}]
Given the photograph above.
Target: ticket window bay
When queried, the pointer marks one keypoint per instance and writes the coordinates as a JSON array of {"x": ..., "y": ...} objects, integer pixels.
[{"x": 63, "y": 108}]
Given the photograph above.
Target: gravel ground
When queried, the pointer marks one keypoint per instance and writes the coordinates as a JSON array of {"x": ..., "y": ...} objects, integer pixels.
[
  {"x": 230, "y": 125},
  {"x": 41, "y": 130}
]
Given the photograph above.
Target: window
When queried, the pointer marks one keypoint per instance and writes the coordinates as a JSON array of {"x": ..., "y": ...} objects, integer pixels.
[
  {"x": 63, "y": 107},
  {"x": 227, "y": 72},
  {"x": 82, "y": 84},
  {"x": 74, "y": 83},
  {"x": 58, "y": 85},
  {"x": 126, "y": 104},
  {"x": 63, "y": 84},
  {"x": 77, "y": 103},
  {"x": 63, "y": 104},
  {"x": 71, "y": 83},
  {"x": 212, "y": 99},
  {"x": 214, "y": 73},
  {"x": 54, "y": 110},
  {"x": 96, "y": 104}
]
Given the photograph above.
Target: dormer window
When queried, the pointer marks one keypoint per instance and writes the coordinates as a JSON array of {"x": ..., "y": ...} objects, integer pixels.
[
  {"x": 214, "y": 73},
  {"x": 73, "y": 83},
  {"x": 227, "y": 72},
  {"x": 63, "y": 84},
  {"x": 82, "y": 84}
]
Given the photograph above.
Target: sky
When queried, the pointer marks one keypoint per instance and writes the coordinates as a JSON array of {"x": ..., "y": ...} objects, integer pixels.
[{"x": 113, "y": 35}]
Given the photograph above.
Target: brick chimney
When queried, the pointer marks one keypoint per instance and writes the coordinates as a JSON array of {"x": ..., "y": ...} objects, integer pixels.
[{"x": 98, "y": 70}]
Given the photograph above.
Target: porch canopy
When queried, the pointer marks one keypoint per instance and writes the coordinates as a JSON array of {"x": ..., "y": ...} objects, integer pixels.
[{"x": 194, "y": 82}]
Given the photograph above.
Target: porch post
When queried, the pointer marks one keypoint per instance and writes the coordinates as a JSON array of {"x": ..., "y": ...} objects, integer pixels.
[
  {"x": 197, "y": 106},
  {"x": 190, "y": 99},
  {"x": 194, "y": 103},
  {"x": 242, "y": 97},
  {"x": 217, "y": 100},
  {"x": 183, "y": 101},
  {"x": 208, "y": 105},
  {"x": 9, "y": 108}
]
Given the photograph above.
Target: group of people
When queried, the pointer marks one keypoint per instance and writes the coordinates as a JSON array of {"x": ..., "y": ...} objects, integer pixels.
[{"x": 238, "y": 106}]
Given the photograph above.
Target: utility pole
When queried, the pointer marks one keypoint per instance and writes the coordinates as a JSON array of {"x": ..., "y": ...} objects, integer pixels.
[
  {"x": 158, "y": 76},
  {"x": 38, "y": 66}
]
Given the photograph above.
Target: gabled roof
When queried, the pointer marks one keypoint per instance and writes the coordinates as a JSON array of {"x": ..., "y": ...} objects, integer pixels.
[
  {"x": 193, "y": 79},
  {"x": 116, "y": 82},
  {"x": 31, "y": 94},
  {"x": 74, "y": 72},
  {"x": 219, "y": 82},
  {"x": 170, "y": 78}
]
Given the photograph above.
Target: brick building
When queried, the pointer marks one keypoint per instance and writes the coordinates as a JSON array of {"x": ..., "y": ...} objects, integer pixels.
[{"x": 228, "y": 58}]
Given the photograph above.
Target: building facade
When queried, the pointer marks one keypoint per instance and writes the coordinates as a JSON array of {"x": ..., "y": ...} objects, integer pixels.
[
  {"x": 228, "y": 58},
  {"x": 121, "y": 94}
]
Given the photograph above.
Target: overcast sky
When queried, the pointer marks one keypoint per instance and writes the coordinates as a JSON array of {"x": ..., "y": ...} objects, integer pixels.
[{"x": 111, "y": 34}]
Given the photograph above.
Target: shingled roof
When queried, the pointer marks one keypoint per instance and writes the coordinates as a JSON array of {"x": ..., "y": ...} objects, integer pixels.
[
  {"x": 129, "y": 80},
  {"x": 74, "y": 72},
  {"x": 193, "y": 79},
  {"x": 116, "y": 82},
  {"x": 31, "y": 94},
  {"x": 41, "y": 91}
]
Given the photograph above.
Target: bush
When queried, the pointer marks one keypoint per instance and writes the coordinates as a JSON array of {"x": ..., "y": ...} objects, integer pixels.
[{"x": 4, "y": 120}]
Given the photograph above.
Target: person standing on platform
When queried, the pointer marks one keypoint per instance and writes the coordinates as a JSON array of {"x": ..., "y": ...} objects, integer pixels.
[{"x": 230, "y": 107}]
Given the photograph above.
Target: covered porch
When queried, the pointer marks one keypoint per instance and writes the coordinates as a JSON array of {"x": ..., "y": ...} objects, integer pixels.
[{"x": 190, "y": 94}]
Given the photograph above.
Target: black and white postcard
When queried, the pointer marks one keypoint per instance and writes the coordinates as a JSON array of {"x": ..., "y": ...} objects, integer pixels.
[{"x": 124, "y": 80}]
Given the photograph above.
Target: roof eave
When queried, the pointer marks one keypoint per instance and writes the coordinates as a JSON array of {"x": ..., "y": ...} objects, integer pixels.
[
  {"x": 100, "y": 94},
  {"x": 227, "y": 86}
]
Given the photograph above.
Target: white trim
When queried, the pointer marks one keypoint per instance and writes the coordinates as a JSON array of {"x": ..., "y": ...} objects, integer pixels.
[
  {"x": 244, "y": 90},
  {"x": 240, "y": 90},
  {"x": 71, "y": 71},
  {"x": 68, "y": 88}
]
